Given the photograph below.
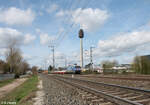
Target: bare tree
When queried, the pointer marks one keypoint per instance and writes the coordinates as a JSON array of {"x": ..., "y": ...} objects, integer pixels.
[
  {"x": 136, "y": 64},
  {"x": 34, "y": 70},
  {"x": 107, "y": 65},
  {"x": 4, "y": 67},
  {"x": 14, "y": 57},
  {"x": 2, "y": 63},
  {"x": 24, "y": 67}
]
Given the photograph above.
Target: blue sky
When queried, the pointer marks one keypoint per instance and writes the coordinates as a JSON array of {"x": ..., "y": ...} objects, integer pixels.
[{"x": 118, "y": 29}]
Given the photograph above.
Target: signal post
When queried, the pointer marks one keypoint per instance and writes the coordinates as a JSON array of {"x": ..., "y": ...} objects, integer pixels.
[{"x": 81, "y": 36}]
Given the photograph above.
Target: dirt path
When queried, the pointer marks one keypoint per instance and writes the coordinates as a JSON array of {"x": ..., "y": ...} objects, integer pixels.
[{"x": 8, "y": 88}]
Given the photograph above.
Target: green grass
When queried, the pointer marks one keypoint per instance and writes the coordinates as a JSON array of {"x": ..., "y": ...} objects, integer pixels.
[
  {"x": 5, "y": 82},
  {"x": 21, "y": 94}
]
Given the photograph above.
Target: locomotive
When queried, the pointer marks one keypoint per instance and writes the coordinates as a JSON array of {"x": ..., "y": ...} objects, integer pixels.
[
  {"x": 69, "y": 70},
  {"x": 73, "y": 70}
]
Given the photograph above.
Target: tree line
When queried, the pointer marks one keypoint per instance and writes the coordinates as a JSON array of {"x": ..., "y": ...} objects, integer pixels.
[
  {"x": 14, "y": 61},
  {"x": 141, "y": 64}
]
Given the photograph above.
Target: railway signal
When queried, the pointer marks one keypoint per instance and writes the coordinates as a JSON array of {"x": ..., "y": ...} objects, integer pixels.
[
  {"x": 91, "y": 57},
  {"x": 81, "y": 36}
]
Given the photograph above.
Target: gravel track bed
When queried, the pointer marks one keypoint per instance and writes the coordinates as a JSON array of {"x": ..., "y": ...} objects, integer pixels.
[
  {"x": 57, "y": 93},
  {"x": 129, "y": 83}
]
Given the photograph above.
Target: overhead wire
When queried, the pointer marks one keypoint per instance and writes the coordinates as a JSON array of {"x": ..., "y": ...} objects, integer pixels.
[
  {"x": 72, "y": 5},
  {"x": 60, "y": 36},
  {"x": 63, "y": 35},
  {"x": 59, "y": 31},
  {"x": 73, "y": 24}
]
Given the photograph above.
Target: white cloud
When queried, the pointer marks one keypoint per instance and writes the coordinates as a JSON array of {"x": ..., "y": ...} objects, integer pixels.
[
  {"x": 89, "y": 19},
  {"x": 62, "y": 13},
  {"x": 37, "y": 30},
  {"x": 123, "y": 43},
  {"x": 45, "y": 39},
  {"x": 52, "y": 8},
  {"x": 29, "y": 57},
  {"x": 16, "y": 16},
  {"x": 29, "y": 38},
  {"x": 9, "y": 34},
  {"x": 2, "y": 51}
]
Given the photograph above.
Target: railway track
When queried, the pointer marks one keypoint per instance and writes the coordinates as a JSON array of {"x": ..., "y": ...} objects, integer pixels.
[
  {"x": 87, "y": 94},
  {"x": 138, "y": 78},
  {"x": 108, "y": 93}
]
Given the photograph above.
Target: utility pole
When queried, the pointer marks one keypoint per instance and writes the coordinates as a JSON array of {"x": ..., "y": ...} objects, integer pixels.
[
  {"x": 81, "y": 35},
  {"x": 86, "y": 54},
  {"x": 53, "y": 50},
  {"x": 91, "y": 57},
  {"x": 65, "y": 62}
]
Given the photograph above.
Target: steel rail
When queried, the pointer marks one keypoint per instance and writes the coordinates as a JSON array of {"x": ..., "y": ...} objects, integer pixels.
[
  {"x": 124, "y": 78},
  {"x": 112, "y": 85},
  {"x": 111, "y": 98}
]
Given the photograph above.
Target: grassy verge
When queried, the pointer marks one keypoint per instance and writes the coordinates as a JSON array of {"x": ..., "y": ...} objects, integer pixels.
[
  {"x": 5, "y": 82},
  {"x": 22, "y": 94}
]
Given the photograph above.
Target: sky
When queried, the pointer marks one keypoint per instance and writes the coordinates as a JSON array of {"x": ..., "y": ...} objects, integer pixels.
[{"x": 117, "y": 29}]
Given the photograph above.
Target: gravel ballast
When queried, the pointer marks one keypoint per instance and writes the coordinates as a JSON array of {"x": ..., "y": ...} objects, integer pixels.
[
  {"x": 58, "y": 93},
  {"x": 129, "y": 83}
]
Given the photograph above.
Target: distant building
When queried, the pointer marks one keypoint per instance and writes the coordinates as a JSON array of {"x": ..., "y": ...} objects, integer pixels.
[
  {"x": 128, "y": 66},
  {"x": 122, "y": 67}
]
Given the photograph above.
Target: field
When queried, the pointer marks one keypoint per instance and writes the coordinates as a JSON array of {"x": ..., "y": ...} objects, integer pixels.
[{"x": 21, "y": 94}]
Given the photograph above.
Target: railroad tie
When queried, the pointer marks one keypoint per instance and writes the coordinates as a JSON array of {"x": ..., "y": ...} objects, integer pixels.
[
  {"x": 82, "y": 93},
  {"x": 98, "y": 100},
  {"x": 107, "y": 91},
  {"x": 143, "y": 101},
  {"x": 117, "y": 93},
  {"x": 133, "y": 97},
  {"x": 123, "y": 96},
  {"x": 91, "y": 98},
  {"x": 86, "y": 95},
  {"x": 106, "y": 103},
  {"x": 126, "y": 95}
]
